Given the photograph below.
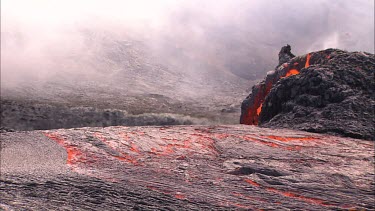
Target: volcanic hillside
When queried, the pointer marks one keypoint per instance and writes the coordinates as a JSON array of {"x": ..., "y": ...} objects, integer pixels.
[{"x": 329, "y": 91}]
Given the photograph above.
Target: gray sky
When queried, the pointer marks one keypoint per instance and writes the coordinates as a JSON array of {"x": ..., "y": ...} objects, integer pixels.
[{"x": 42, "y": 37}]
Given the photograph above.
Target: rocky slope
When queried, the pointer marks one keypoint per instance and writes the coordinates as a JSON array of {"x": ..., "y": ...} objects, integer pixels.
[
  {"x": 185, "y": 168},
  {"x": 329, "y": 91}
]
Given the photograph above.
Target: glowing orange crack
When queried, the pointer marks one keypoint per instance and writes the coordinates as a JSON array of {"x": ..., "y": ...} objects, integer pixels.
[
  {"x": 259, "y": 109},
  {"x": 291, "y": 72},
  {"x": 74, "y": 154},
  {"x": 289, "y": 194},
  {"x": 299, "y": 197},
  {"x": 270, "y": 144},
  {"x": 124, "y": 157},
  {"x": 251, "y": 182},
  {"x": 307, "y": 64},
  {"x": 287, "y": 139}
]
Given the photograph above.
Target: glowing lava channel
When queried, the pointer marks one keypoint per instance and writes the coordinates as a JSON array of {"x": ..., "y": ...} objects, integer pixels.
[
  {"x": 289, "y": 73},
  {"x": 74, "y": 155}
]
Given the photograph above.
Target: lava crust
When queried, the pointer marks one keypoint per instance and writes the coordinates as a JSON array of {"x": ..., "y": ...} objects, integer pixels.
[
  {"x": 185, "y": 168},
  {"x": 329, "y": 91}
]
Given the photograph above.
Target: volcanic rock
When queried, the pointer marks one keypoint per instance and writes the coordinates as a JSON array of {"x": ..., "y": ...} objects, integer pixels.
[
  {"x": 285, "y": 54},
  {"x": 329, "y": 91},
  {"x": 184, "y": 168}
]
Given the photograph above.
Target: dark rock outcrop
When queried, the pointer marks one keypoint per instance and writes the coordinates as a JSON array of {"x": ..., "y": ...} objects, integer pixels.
[
  {"x": 329, "y": 91},
  {"x": 285, "y": 54}
]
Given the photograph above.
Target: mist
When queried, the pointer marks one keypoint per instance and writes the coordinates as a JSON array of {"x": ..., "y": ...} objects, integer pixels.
[{"x": 174, "y": 48}]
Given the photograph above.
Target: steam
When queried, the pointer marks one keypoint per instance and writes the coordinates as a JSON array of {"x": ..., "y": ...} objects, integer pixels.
[{"x": 206, "y": 43}]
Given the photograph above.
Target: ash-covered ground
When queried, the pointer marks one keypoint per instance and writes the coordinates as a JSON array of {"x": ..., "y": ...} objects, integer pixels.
[{"x": 235, "y": 167}]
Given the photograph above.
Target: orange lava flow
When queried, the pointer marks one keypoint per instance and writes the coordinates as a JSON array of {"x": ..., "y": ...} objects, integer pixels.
[
  {"x": 251, "y": 182},
  {"x": 291, "y": 72},
  {"x": 253, "y": 111},
  {"x": 299, "y": 197},
  {"x": 123, "y": 157},
  {"x": 270, "y": 144},
  {"x": 259, "y": 109},
  {"x": 307, "y": 64},
  {"x": 74, "y": 155},
  {"x": 286, "y": 139},
  {"x": 289, "y": 194}
]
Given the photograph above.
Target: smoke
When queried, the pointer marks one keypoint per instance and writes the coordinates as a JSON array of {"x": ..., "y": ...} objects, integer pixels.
[{"x": 167, "y": 45}]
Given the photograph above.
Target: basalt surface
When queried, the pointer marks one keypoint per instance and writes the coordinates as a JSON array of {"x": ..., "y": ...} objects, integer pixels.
[
  {"x": 185, "y": 168},
  {"x": 330, "y": 91}
]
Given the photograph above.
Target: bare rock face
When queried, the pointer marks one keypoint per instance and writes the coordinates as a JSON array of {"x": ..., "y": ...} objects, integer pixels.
[
  {"x": 185, "y": 168},
  {"x": 329, "y": 91}
]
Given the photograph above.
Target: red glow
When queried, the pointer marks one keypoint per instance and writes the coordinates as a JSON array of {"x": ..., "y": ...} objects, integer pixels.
[
  {"x": 179, "y": 196},
  {"x": 134, "y": 148},
  {"x": 251, "y": 182},
  {"x": 299, "y": 197},
  {"x": 270, "y": 144},
  {"x": 307, "y": 64},
  {"x": 286, "y": 139},
  {"x": 291, "y": 72},
  {"x": 259, "y": 109},
  {"x": 289, "y": 194},
  {"x": 254, "y": 110},
  {"x": 123, "y": 157},
  {"x": 74, "y": 154}
]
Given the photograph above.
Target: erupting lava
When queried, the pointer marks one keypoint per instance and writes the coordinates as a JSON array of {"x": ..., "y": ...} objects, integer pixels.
[
  {"x": 291, "y": 72},
  {"x": 307, "y": 64},
  {"x": 260, "y": 92},
  {"x": 259, "y": 109}
]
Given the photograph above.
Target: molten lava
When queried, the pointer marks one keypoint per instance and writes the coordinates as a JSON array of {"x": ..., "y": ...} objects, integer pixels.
[
  {"x": 307, "y": 64},
  {"x": 288, "y": 194},
  {"x": 175, "y": 161},
  {"x": 291, "y": 72},
  {"x": 261, "y": 91},
  {"x": 286, "y": 139},
  {"x": 259, "y": 109},
  {"x": 74, "y": 155},
  {"x": 251, "y": 182}
]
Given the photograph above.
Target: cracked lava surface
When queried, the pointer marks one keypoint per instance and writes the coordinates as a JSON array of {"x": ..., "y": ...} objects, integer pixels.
[{"x": 185, "y": 167}]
